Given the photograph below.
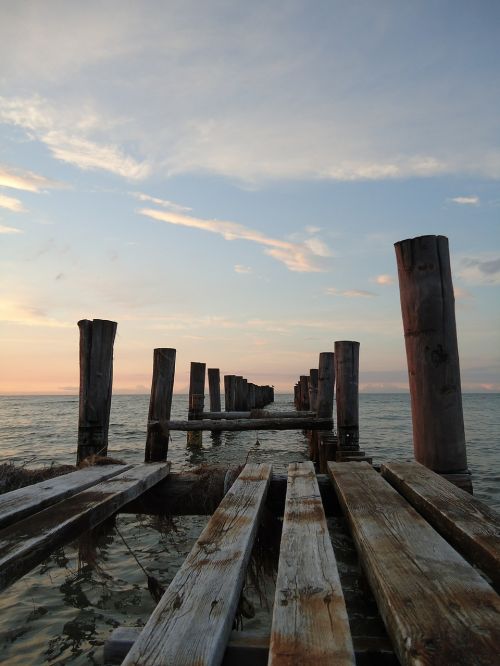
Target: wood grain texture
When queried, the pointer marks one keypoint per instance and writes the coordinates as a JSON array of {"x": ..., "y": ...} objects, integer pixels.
[
  {"x": 251, "y": 424},
  {"x": 26, "y": 543},
  {"x": 326, "y": 385},
  {"x": 471, "y": 526},
  {"x": 310, "y": 623},
  {"x": 347, "y": 392},
  {"x": 18, "y": 504},
  {"x": 192, "y": 622},
  {"x": 428, "y": 310},
  {"x": 436, "y": 607}
]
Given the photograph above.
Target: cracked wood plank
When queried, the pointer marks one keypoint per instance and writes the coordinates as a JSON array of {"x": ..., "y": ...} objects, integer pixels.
[
  {"x": 25, "y": 501},
  {"x": 310, "y": 623},
  {"x": 471, "y": 526},
  {"x": 193, "y": 621},
  {"x": 26, "y": 543},
  {"x": 436, "y": 607}
]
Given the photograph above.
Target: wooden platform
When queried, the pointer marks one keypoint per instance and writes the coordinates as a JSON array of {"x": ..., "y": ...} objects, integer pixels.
[{"x": 438, "y": 608}]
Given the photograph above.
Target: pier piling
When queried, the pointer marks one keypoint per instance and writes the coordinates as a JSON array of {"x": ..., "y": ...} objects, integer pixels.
[{"x": 160, "y": 404}]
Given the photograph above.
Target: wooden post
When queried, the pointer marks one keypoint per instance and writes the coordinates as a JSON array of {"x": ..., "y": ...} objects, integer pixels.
[
  {"x": 304, "y": 392},
  {"x": 96, "y": 382},
  {"x": 214, "y": 389},
  {"x": 428, "y": 309},
  {"x": 196, "y": 389},
  {"x": 313, "y": 388},
  {"x": 229, "y": 393},
  {"x": 326, "y": 383},
  {"x": 347, "y": 374},
  {"x": 160, "y": 404}
]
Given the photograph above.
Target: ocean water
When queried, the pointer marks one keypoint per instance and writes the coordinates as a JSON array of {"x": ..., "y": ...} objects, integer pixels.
[{"x": 63, "y": 611}]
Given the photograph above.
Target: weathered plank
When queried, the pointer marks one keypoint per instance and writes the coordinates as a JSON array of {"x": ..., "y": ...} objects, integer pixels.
[
  {"x": 436, "y": 607},
  {"x": 251, "y": 424},
  {"x": 310, "y": 623},
  {"x": 25, "y": 501},
  {"x": 26, "y": 543},
  {"x": 192, "y": 622},
  {"x": 471, "y": 526}
]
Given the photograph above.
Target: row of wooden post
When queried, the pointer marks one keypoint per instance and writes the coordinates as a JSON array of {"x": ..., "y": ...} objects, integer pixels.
[{"x": 428, "y": 310}]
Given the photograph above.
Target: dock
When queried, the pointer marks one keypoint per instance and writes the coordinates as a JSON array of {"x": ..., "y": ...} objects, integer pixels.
[{"x": 427, "y": 549}]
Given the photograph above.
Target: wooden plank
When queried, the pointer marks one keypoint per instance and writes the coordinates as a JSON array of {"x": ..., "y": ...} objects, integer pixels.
[
  {"x": 310, "y": 623},
  {"x": 192, "y": 622},
  {"x": 436, "y": 607},
  {"x": 26, "y": 543},
  {"x": 471, "y": 526},
  {"x": 251, "y": 424},
  {"x": 25, "y": 501}
]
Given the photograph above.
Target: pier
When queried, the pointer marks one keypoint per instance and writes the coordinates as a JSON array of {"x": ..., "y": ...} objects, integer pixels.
[{"x": 429, "y": 551}]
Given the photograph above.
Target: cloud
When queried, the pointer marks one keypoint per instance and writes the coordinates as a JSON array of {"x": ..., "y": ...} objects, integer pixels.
[
  {"x": 484, "y": 270},
  {"x": 18, "y": 313},
  {"x": 242, "y": 269},
  {"x": 466, "y": 201},
  {"x": 68, "y": 133},
  {"x": 297, "y": 257},
  {"x": 383, "y": 279},
  {"x": 161, "y": 202},
  {"x": 28, "y": 181},
  {"x": 461, "y": 294},
  {"x": 350, "y": 293},
  {"x": 12, "y": 204},
  {"x": 10, "y": 230}
]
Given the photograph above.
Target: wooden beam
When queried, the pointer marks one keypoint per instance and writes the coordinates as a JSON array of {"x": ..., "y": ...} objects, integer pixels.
[
  {"x": 192, "y": 622},
  {"x": 471, "y": 526},
  {"x": 26, "y": 543},
  {"x": 257, "y": 414},
  {"x": 310, "y": 623},
  {"x": 437, "y": 609},
  {"x": 18, "y": 504},
  {"x": 251, "y": 424}
]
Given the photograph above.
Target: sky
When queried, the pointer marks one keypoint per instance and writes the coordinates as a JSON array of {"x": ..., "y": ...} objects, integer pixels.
[{"x": 229, "y": 179}]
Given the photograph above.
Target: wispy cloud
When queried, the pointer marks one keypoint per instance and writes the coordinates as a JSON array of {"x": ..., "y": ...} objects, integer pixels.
[
  {"x": 10, "y": 230},
  {"x": 384, "y": 279},
  {"x": 350, "y": 293},
  {"x": 12, "y": 312},
  {"x": 18, "y": 179},
  {"x": 297, "y": 257},
  {"x": 466, "y": 201},
  {"x": 165, "y": 203},
  {"x": 483, "y": 270},
  {"x": 69, "y": 135},
  {"x": 242, "y": 269},
  {"x": 11, "y": 203}
]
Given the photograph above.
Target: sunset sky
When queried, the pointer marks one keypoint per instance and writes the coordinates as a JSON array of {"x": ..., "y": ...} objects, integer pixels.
[{"x": 228, "y": 178}]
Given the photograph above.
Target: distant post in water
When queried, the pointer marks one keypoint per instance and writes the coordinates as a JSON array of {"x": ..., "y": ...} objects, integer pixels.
[
  {"x": 313, "y": 388},
  {"x": 160, "y": 404},
  {"x": 229, "y": 392},
  {"x": 196, "y": 400},
  {"x": 347, "y": 393},
  {"x": 214, "y": 389},
  {"x": 96, "y": 383},
  {"x": 428, "y": 309}
]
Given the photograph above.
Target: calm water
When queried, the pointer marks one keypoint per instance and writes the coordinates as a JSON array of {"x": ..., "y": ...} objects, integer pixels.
[{"x": 62, "y": 612}]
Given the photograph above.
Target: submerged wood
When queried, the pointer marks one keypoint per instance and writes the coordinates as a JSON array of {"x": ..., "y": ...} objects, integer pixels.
[
  {"x": 192, "y": 622},
  {"x": 160, "y": 404},
  {"x": 437, "y": 608},
  {"x": 310, "y": 623},
  {"x": 18, "y": 504},
  {"x": 26, "y": 543},
  {"x": 251, "y": 424},
  {"x": 471, "y": 526}
]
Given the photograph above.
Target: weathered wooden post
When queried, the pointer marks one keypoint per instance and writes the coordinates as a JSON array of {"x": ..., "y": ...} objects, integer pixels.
[
  {"x": 347, "y": 393},
  {"x": 214, "y": 389},
  {"x": 196, "y": 399},
  {"x": 229, "y": 392},
  {"x": 428, "y": 309},
  {"x": 160, "y": 404},
  {"x": 96, "y": 382},
  {"x": 313, "y": 388},
  {"x": 323, "y": 444},
  {"x": 304, "y": 392}
]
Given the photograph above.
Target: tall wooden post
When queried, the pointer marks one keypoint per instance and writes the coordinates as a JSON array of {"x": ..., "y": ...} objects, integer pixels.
[
  {"x": 229, "y": 392},
  {"x": 347, "y": 393},
  {"x": 313, "y": 388},
  {"x": 96, "y": 382},
  {"x": 214, "y": 389},
  {"x": 326, "y": 383},
  {"x": 160, "y": 404},
  {"x": 304, "y": 392},
  {"x": 196, "y": 389},
  {"x": 428, "y": 309}
]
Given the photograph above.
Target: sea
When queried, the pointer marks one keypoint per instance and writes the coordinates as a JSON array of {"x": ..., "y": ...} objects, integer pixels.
[{"x": 63, "y": 611}]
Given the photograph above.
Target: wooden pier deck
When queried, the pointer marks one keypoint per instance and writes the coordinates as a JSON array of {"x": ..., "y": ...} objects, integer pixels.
[{"x": 433, "y": 573}]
